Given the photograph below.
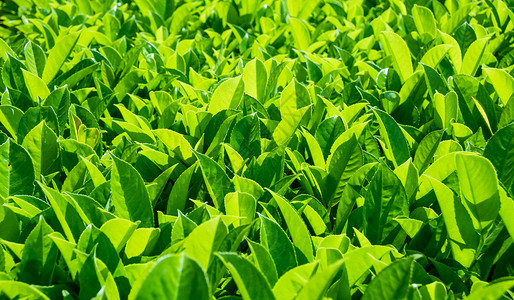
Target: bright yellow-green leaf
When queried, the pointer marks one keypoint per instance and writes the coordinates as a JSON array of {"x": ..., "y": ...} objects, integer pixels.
[{"x": 395, "y": 46}]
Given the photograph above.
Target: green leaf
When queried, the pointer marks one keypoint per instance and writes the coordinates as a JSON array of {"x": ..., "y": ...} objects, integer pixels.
[
  {"x": 268, "y": 169},
  {"x": 246, "y": 185},
  {"x": 314, "y": 149},
  {"x": 443, "y": 166},
  {"x": 5, "y": 49},
  {"x": 134, "y": 132},
  {"x": 424, "y": 20},
  {"x": 66, "y": 212},
  {"x": 426, "y": 150},
  {"x": 12, "y": 76},
  {"x": 245, "y": 136},
  {"x": 294, "y": 97},
  {"x": 32, "y": 206},
  {"x": 506, "y": 210},
  {"x": 473, "y": 57},
  {"x": 507, "y": 115},
  {"x": 89, "y": 274},
  {"x": 112, "y": 26},
  {"x": 410, "y": 226},
  {"x": 297, "y": 228},
  {"x": 434, "y": 81},
  {"x": 462, "y": 237},
  {"x": 227, "y": 95},
  {"x": 236, "y": 160},
  {"x": 479, "y": 189},
  {"x": 318, "y": 284},
  {"x": 59, "y": 100},
  {"x": 94, "y": 241},
  {"x": 394, "y": 139},
  {"x": 435, "y": 55},
  {"x": 35, "y": 58},
  {"x": 180, "y": 17},
  {"x": 58, "y": 55},
  {"x": 301, "y": 9},
  {"x": 255, "y": 79},
  {"x": 16, "y": 170},
  {"x": 275, "y": 240},
  {"x": 36, "y": 86},
  {"x": 82, "y": 175},
  {"x": 314, "y": 69},
  {"x": 95, "y": 275},
  {"x": 129, "y": 196},
  {"x": 217, "y": 130},
  {"x": 393, "y": 282},
  {"x": 291, "y": 283},
  {"x": 142, "y": 242},
  {"x": 178, "y": 195},
  {"x": 147, "y": 7},
  {"x": 358, "y": 262},
  {"x": 242, "y": 205},
  {"x": 327, "y": 132},
  {"x": 91, "y": 211},
  {"x": 465, "y": 35},
  {"x": 161, "y": 100},
  {"x": 118, "y": 231},
  {"x": 288, "y": 125},
  {"x": 250, "y": 281},
  {"x": 446, "y": 109},
  {"x": 9, "y": 229},
  {"x": 344, "y": 162},
  {"x": 300, "y": 32},
  {"x": 461, "y": 132},
  {"x": 176, "y": 144},
  {"x": 263, "y": 261},
  {"x": 395, "y": 46},
  {"x": 408, "y": 175},
  {"x": 41, "y": 143},
  {"x": 500, "y": 151},
  {"x": 10, "y": 118},
  {"x": 385, "y": 200},
  {"x": 433, "y": 291},
  {"x": 35, "y": 115},
  {"x": 205, "y": 239},
  {"x": 80, "y": 71},
  {"x": 127, "y": 84},
  {"x": 216, "y": 180},
  {"x": 156, "y": 188},
  {"x": 459, "y": 14},
  {"x": 182, "y": 227},
  {"x": 134, "y": 119},
  {"x": 356, "y": 130},
  {"x": 493, "y": 291},
  {"x": 39, "y": 257},
  {"x": 184, "y": 279},
  {"x": 454, "y": 53},
  {"x": 15, "y": 289},
  {"x": 502, "y": 82}
]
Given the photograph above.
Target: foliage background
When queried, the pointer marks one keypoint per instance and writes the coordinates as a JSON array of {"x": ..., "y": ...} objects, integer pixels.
[{"x": 273, "y": 149}]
